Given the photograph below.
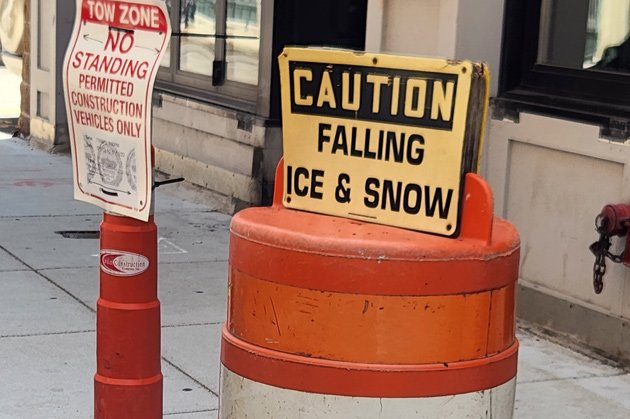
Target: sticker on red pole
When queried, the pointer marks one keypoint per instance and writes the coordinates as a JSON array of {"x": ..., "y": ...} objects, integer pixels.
[
  {"x": 119, "y": 263},
  {"x": 108, "y": 75}
]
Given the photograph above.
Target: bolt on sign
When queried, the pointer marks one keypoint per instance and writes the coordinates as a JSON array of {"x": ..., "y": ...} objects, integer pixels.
[
  {"x": 108, "y": 73},
  {"x": 380, "y": 138}
]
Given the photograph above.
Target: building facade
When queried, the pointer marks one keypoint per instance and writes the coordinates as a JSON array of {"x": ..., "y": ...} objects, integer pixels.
[{"x": 556, "y": 149}]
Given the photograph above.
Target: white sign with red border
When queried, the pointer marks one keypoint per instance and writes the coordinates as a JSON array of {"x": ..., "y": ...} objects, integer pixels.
[{"x": 108, "y": 75}]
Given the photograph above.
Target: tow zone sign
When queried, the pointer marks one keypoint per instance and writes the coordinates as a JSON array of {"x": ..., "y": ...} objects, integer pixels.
[
  {"x": 109, "y": 71},
  {"x": 380, "y": 138}
]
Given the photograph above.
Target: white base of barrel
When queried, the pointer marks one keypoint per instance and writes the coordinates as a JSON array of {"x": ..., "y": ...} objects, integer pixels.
[{"x": 243, "y": 398}]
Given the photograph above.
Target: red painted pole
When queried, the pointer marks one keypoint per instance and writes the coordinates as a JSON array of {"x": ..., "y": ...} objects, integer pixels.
[{"x": 128, "y": 380}]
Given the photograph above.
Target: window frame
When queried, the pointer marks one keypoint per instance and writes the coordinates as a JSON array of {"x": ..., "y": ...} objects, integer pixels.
[
  {"x": 226, "y": 93},
  {"x": 525, "y": 85}
]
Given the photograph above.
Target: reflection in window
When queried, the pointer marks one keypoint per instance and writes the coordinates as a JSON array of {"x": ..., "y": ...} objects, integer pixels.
[
  {"x": 227, "y": 31},
  {"x": 166, "y": 58},
  {"x": 243, "y": 30},
  {"x": 611, "y": 46},
  {"x": 196, "y": 53},
  {"x": 580, "y": 34}
]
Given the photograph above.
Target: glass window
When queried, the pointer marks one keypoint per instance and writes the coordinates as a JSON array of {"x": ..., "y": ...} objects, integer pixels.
[
  {"x": 220, "y": 49},
  {"x": 214, "y": 50},
  {"x": 243, "y": 29},
  {"x": 196, "y": 51},
  {"x": 590, "y": 37},
  {"x": 569, "y": 58}
]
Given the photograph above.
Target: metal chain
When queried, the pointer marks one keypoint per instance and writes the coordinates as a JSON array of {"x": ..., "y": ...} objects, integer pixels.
[
  {"x": 599, "y": 270},
  {"x": 600, "y": 250}
]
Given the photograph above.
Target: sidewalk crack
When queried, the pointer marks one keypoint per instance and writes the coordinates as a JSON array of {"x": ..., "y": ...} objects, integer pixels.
[{"x": 199, "y": 383}]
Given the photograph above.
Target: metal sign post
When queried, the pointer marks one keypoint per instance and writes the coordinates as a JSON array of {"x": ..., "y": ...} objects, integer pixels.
[{"x": 108, "y": 74}]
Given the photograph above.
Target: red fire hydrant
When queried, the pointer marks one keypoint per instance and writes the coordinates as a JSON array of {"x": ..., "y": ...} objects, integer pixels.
[{"x": 613, "y": 220}]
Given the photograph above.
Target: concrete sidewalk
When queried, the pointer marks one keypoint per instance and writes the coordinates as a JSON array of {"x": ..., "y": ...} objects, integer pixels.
[{"x": 49, "y": 287}]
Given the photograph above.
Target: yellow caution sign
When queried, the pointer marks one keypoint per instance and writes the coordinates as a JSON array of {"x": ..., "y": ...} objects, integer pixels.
[{"x": 378, "y": 137}]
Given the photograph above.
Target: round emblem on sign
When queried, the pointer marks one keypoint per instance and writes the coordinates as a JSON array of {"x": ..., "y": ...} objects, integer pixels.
[
  {"x": 130, "y": 169},
  {"x": 119, "y": 263},
  {"x": 90, "y": 157},
  {"x": 110, "y": 165}
]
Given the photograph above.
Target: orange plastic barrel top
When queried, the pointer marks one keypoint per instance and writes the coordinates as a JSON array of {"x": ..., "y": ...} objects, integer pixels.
[{"x": 405, "y": 311}]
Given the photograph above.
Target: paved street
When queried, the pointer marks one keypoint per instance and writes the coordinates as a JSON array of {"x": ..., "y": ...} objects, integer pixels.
[{"x": 49, "y": 286}]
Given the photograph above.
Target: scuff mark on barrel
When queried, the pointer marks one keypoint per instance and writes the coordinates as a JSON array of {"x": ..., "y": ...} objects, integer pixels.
[{"x": 275, "y": 316}]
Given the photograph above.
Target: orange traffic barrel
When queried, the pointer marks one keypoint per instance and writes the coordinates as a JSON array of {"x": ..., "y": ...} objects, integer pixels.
[{"x": 335, "y": 318}]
